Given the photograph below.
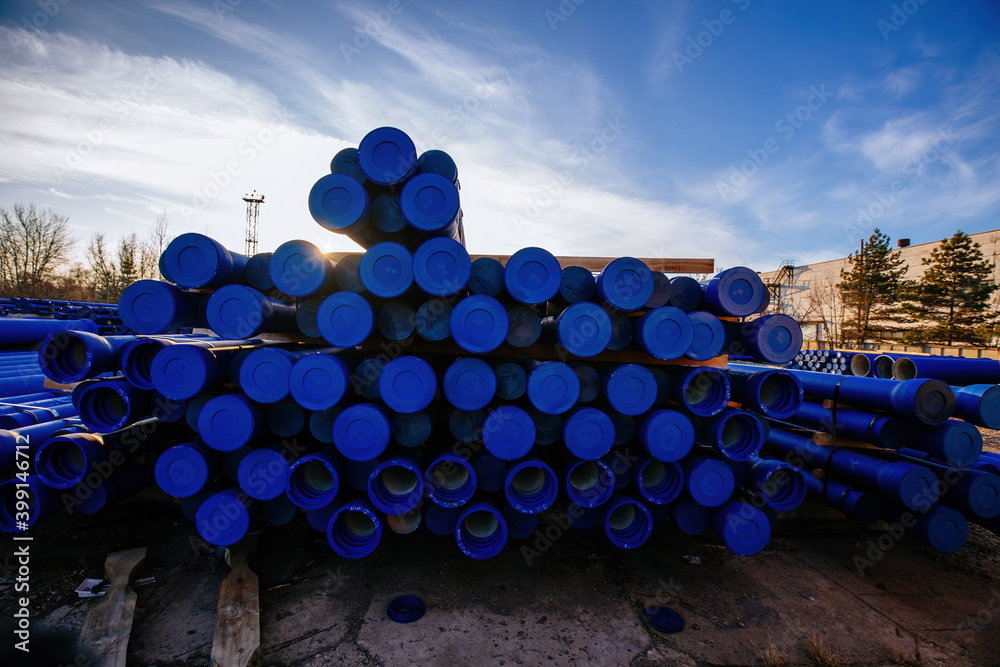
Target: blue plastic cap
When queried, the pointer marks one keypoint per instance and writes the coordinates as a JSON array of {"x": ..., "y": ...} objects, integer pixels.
[
  {"x": 387, "y": 156},
  {"x": 264, "y": 374},
  {"x": 983, "y": 491},
  {"x": 962, "y": 442},
  {"x": 223, "y": 519},
  {"x": 531, "y": 486},
  {"x": 743, "y": 528},
  {"x": 525, "y": 326},
  {"x": 553, "y": 387},
  {"x": 777, "y": 338},
  {"x": 305, "y": 317},
  {"x": 627, "y": 522},
  {"x": 576, "y": 284},
  {"x": 354, "y": 530},
  {"x": 664, "y": 619},
  {"x": 441, "y": 267},
  {"x": 407, "y": 384},
  {"x": 666, "y": 333},
  {"x": 465, "y": 425},
  {"x": 361, "y": 432},
  {"x": 396, "y": 320},
  {"x": 405, "y": 609},
  {"x": 486, "y": 277},
  {"x": 318, "y": 381},
  {"x": 662, "y": 290},
  {"x": 631, "y": 389},
  {"x": 228, "y": 422},
  {"x": 691, "y": 517},
  {"x": 709, "y": 481},
  {"x": 708, "y": 336},
  {"x": 430, "y": 202},
  {"x": 411, "y": 430},
  {"x": 321, "y": 424},
  {"x": 183, "y": 470},
  {"x": 589, "y": 433},
  {"x": 236, "y": 311},
  {"x": 195, "y": 260},
  {"x": 589, "y": 483},
  {"x": 685, "y": 293},
  {"x": 433, "y": 317},
  {"x": 590, "y": 382},
  {"x": 481, "y": 531},
  {"x": 944, "y": 529},
  {"x": 345, "y": 319},
  {"x": 912, "y": 485},
  {"x": 584, "y": 329},
  {"x": 621, "y": 332},
  {"x": 737, "y": 292},
  {"x": 263, "y": 474},
  {"x": 346, "y": 162},
  {"x": 365, "y": 377},
  {"x": 181, "y": 372},
  {"x": 508, "y": 433},
  {"x": 286, "y": 418},
  {"x": 626, "y": 283},
  {"x": 667, "y": 435},
  {"x": 532, "y": 276},
  {"x": 469, "y": 384},
  {"x": 338, "y": 201},
  {"x": 436, "y": 161},
  {"x": 387, "y": 269},
  {"x": 258, "y": 272},
  {"x": 479, "y": 324},
  {"x": 298, "y": 268},
  {"x": 347, "y": 273},
  {"x": 150, "y": 306},
  {"x": 491, "y": 473}
]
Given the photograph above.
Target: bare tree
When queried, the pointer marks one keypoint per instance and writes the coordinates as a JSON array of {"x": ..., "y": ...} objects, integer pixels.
[
  {"x": 34, "y": 244},
  {"x": 103, "y": 271},
  {"x": 826, "y": 304},
  {"x": 159, "y": 237}
]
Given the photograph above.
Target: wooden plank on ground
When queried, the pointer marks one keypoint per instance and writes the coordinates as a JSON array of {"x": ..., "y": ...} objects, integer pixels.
[
  {"x": 665, "y": 264},
  {"x": 109, "y": 622},
  {"x": 237, "y": 621}
]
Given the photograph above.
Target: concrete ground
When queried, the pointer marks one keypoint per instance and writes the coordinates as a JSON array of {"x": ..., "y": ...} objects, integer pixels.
[{"x": 581, "y": 600}]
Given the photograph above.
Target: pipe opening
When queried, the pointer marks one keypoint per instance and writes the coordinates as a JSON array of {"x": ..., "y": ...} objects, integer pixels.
[
  {"x": 62, "y": 463},
  {"x": 353, "y": 533},
  {"x": 883, "y": 367},
  {"x": 861, "y": 365},
  {"x": 312, "y": 483},
  {"x": 590, "y": 483},
  {"x": 904, "y": 369},
  {"x": 778, "y": 394},
  {"x": 396, "y": 487},
  {"x": 531, "y": 488},
  {"x": 451, "y": 481},
  {"x": 405, "y": 523},
  {"x": 481, "y": 533},
  {"x": 741, "y": 436},
  {"x": 660, "y": 482},
  {"x": 705, "y": 392},
  {"x": 628, "y": 525},
  {"x": 784, "y": 489}
]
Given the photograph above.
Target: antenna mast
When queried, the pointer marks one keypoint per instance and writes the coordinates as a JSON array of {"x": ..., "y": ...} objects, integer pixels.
[{"x": 253, "y": 201}]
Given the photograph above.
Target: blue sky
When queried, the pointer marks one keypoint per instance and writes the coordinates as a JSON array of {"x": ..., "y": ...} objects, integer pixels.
[{"x": 747, "y": 131}]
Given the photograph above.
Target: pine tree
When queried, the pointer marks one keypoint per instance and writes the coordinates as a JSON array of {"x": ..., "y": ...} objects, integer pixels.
[
  {"x": 951, "y": 302},
  {"x": 871, "y": 287}
]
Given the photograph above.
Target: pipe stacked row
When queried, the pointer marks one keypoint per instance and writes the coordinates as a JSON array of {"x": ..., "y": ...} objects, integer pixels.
[
  {"x": 902, "y": 451},
  {"x": 959, "y": 371},
  {"x": 104, "y": 315},
  {"x": 833, "y": 362}
]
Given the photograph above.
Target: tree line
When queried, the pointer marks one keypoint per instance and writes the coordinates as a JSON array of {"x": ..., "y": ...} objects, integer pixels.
[
  {"x": 36, "y": 257},
  {"x": 949, "y": 304}
]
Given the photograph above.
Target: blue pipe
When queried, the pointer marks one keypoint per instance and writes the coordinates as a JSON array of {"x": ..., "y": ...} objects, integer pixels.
[
  {"x": 111, "y": 405},
  {"x": 406, "y": 523},
  {"x": 735, "y": 434},
  {"x": 856, "y": 504},
  {"x": 30, "y": 438},
  {"x": 531, "y": 486},
  {"x": 861, "y": 364},
  {"x": 432, "y": 320},
  {"x": 662, "y": 290},
  {"x": 707, "y": 480},
  {"x": 387, "y": 156},
  {"x": 553, "y": 387},
  {"x": 736, "y": 292},
  {"x": 625, "y": 284},
  {"x": 928, "y": 400},
  {"x": 576, "y": 284},
  {"x": 321, "y": 424},
  {"x": 708, "y": 336},
  {"x": 265, "y": 373},
  {"x": 408, "y": 384},
  {"x": 152, "y": 307},
  {"x": 665, "y": 333},
  {"x": 481, "y": 531},
  {"x": 339, "y": 203},
  {"x": 588, "y": 484},
  {"x": 780, "y": 484},
  {"x": 441, "y": 267},
  {"x": 773, "y": 338},
  {"x": 194, "y": 260},
  {"x": 979, "y": 404},
  {"x": 548, "y": 428},
  {"x": 689, "y": 515},
  {"x": 72, "y": 356},
  {"x": 632, "y": 389},
  {"x": 366, "y": 375},
  {"x": 31, "y": 330},
  {"x": 657, "y": 482},
  {"x": 361, "y": 432},
  {"x": 508, "y": 433},
  {"x": 772, "y": 392},
  {"x": 437, "y": 162},
  {"x": 396, "y": 320},
  {"x": 345, "y": 319},
  {"x": 300, "y": 269},
  {"x": 184, "y": 470},
  {"x": 450, "y": 481},
  {"x": 223, "y": 519},
  {"x": 704, "y": 391},
  {"x": 743, "y": 528},
  {"x": 667, "y": 435},
  {"x": 479, "y": 324},
  {"x": 396, "y": 485},
  {"x": 387, "y": 270},
  {"x": 512, "y": 380},
  {"x": 347, "y": 273},
  {"x": 413, "y": 429},
  {"x": 440, "y": 520},
  {"x": 18, "y": 385},
  {"x": 953, "y": 370},
  {"x": 24, "y": 399},
  {"x": 525, "y": 326},
  {"x": 941, "y": 528},
  {"x": 627, "y": 522},
  {"x": 257, "y": 272},
  {"x": 519, "y": 526},
  {"x": 431, "y": 204},
  {"x": 954, "y": 441},
  {"x": 41, "y": 502},
  {"x": 883, "y": 431},
  {"x": 487, "y": 277},
  {"x": 238, "y": 311},
  {"x": 137, "y": 356},
  {"x": 532, "y": 276},
  {"x": 357, "y": 473},
  {"x": 590, "y": 382},
  {"x": 913, "y": 486},
  {"x": 277, "y": 511},
  {"x": 583, "y": 329},
  {"x": 465, "y": 425},
  {"x": 588, "y": 433},
  {"x": 127, "y": 480},
  {"x": 230, "y": 421},
  {"x": 469, "y": 384},
  {"x": 491, "y": 473},
  {"x": 263, "y": 473},
  {"x": 314, "y": 479},
  {"x": 882, "y": 365},
  {"x": 182, "y": 371},
  {"x": 346, "y": 161},
  {"x": 973, "y": 491},
  {"x": 286, "y": 418}
]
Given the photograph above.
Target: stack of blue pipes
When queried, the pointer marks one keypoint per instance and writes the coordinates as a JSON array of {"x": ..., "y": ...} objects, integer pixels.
[
  {"x": 410, "y": 388},
  {"x": 834, "y": 362}
]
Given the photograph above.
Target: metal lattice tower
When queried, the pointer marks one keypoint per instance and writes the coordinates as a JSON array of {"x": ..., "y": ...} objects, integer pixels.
[{"x": 253, "y": 201}]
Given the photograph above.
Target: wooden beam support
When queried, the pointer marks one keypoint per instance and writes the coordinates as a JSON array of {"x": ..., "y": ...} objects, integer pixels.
[
  {"x": 665, "y": 264},
  {"x": 237, "y": 620},
  {"x": 109, "y": 622}
]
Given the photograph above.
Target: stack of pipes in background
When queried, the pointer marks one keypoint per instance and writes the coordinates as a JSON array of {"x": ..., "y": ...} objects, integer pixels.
[
  {"x": 833, "y": 362},
  {"x": 424, "y": 389},
  {"x": 104, "y": 315}
]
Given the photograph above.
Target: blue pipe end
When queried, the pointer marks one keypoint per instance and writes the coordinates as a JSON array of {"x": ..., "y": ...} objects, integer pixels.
[
  {"x": 737, "y": 292},
  {"x": 469, "y": 384},
  {"x": 411, "y": 429},
  {"x": 181, "y": 372},
  {"x": 347, "y": 273},
  {"x": 345, "y": 161},
  {"x": 432, "y": 320},
  {"x": 519, "y": 525},
  {"x": 408, "y": 384},
  {"x": 286, "y": 418},
  {"x": 590, "y": 382},
  {"x": 491, "y": 473},
  {"x": 481, "y": 531},
  {"x": 689, "y": 515},
  {"x": 685, "y": 293},
  {"x": 553, "y": 387},
  {"x": 512, "y": 381},
  {"x": 780, "y": 484},
  {"x": 479, "y": 324},
  {"x": 942, "y": 528},
  {"x": 524, "y": 326},
  {"x": 387, "y": 270},
  {"x": 627, "y": 522},
  {"x": 736, "y": 434},
  {"x": 531, "y": 486},
  {"x": 589, "y": 484},
  {"x": 223, "y": 519},
  {"x": 263, "y": 474},
  {"x": 264, "y": 374},
  {"x": 465, "y": 425},
  {"x": 387, "y": 156},
  {"x": 743, "y": 528},
  {"x": 584, "y": 329},
  {"x": 365, "y": 377},
  {"x": 236, "y": 312},
  {"x": 577, "y": 284},
  {"x": 708, "y": 338},
  {"x": 441, "y": 520},
  {"x": 710, "y": 482},
  {"x": 486, "y": 277},
  {"x": 441, "y": 266},
  {"x": 532, "y": 276},
  {"x": 361, "y": 432},
  {"x": 152, "y": 307},
  {"x": 354, "y": 530},
  {"x": 589, "y": 433},
  {"x": 665, "y": 333},
  {"x": 194, "y": 260},
  {"x": 257, "y": 272},
  {"x": 313, "y": 480},
  {"x": 184, "y": 470},
  {"x": 300, "y": 269},
  {"x": 338, "y": 201},
  {"x": 318, "y": 381},
  {"x": 229, "y": 422},
  {"x": 658, "y": 482},
  {"x": 704, "y": 391},
  {"x": 631, "y": 389},
  {"x": 662, "y": 290},
  {"x": 395, "y": 486},
  {"x": 396, "y": 320},
  {"x": 436, "y": 161},
  {"x": 450, "y": 481},
  {"x": 508, "y": 433},
  {"x": 667, "y": 435},
  {"x": 345, "y": 319},
  {"x": 913, "y": 486},
  {"x": 626, "y": 284}
]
